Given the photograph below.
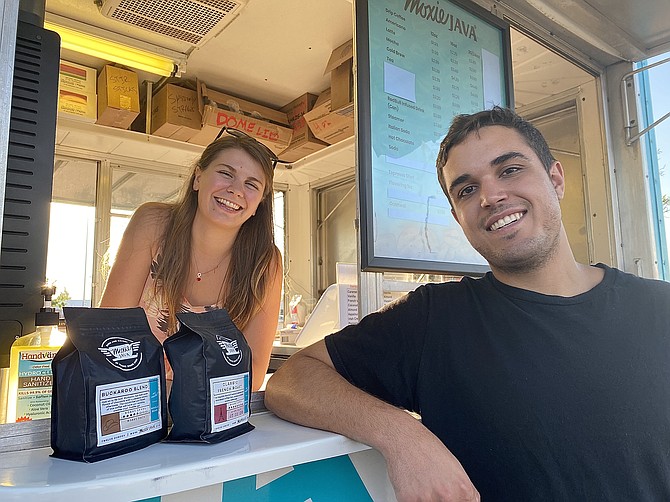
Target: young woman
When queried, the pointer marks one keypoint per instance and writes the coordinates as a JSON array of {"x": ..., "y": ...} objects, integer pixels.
[{"x": 213, "y": 248}]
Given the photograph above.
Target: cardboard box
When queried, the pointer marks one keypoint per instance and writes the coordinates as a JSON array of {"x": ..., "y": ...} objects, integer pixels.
[
  {"x": 175, "y": 113},
  {"x": 118, "y": 97},
  {"x": 76, "y": 92},
  {"x": 340, "y": 67},
  {"x": 329, "y": 125},
  {"x": 303, "y": 141},
  {"x": 140, "y": 123},
  {"x": 264, "y": 124}
]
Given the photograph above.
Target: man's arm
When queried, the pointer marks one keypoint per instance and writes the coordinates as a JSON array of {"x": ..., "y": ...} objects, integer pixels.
[{"x": 309, "y": 391}]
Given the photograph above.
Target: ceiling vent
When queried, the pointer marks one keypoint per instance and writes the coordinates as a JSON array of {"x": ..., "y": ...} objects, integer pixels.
[{"x": 190, "y": 21}]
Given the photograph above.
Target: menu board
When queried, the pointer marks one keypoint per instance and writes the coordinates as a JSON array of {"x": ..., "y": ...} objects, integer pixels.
[{"x": 419, "y": 63}]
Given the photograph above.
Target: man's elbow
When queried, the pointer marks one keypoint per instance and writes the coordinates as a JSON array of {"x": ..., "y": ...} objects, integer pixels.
[
  {"x": 297, "y": 378},
  {"x": 270, "y": 395},
  {"x": 278, "y": 387},
  {"x": 286, "y": 382}
]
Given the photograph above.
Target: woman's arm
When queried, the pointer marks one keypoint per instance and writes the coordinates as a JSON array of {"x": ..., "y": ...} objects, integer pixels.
[
  {"x": 261, "y": 329},
  {"x": 133, "y": 260}
]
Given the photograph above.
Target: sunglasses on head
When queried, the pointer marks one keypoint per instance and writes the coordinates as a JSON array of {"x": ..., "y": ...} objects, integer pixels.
[{"x": 241, "y": 134}]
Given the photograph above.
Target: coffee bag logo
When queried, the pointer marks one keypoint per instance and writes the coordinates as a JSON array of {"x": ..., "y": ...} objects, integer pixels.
[
  {"x": 121, "y": 353},
  {"x": 229, "y": 349}
]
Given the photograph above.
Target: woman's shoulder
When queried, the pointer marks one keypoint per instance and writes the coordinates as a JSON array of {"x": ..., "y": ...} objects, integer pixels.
[
  {"x": 148, "y": 221},
  {"x": 151, "y": 216},
  {"x": 276, "y": 263},
  {"x": 277, "y": 259},
  {"x": 152, "y": 212}
]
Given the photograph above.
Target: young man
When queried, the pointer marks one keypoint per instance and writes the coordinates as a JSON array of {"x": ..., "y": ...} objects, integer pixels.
[{"x": 546, "y": 379}]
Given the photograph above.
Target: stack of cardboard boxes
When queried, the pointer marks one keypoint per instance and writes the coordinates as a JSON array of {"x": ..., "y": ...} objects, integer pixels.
[
  {"x": 76, "y": 92},
  {"x": 194, "y": 113},
  {"x": 218, "y": 110},
  {"x": 303, "y": 142},
  {"x": 332, "y": 118},
  {"x": 114, "y": 101}
]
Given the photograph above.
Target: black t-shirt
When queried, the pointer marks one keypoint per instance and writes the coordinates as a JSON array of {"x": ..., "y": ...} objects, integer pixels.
[{"x": 539, "y": 397}]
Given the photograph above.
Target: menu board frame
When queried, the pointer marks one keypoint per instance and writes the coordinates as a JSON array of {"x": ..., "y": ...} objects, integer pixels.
[{"x": 371, "y": 257}]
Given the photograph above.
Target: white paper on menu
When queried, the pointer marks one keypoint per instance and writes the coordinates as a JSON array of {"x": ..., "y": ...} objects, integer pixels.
[
  {"x": 127, "y": 409},
  {"x": 348, "y": 304}
]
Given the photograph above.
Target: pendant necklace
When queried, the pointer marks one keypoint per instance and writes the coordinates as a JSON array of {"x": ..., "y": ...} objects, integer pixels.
[{"x": 198, "y": 275}]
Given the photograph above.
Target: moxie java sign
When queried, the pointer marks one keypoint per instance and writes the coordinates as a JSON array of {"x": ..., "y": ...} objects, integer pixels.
[{"x": 440, "y": 16}]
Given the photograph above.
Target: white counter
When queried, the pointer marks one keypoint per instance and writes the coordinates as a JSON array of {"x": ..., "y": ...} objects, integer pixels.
[{"x": 168, "y": 468}]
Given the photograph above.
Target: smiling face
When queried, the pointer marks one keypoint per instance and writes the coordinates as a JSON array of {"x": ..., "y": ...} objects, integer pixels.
[
  {"x": 504, "y": 199},
  {"x": 230, "y": 188}
]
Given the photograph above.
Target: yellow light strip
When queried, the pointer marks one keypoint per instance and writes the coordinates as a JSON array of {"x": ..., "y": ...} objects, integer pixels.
[{"x": 113, "y": 51}]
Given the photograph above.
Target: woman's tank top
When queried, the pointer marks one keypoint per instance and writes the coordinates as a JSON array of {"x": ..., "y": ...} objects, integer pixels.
[{"x": 156, "y": 311}]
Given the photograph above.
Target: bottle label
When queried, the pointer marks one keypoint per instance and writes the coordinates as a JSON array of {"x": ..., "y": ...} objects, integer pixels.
[
  {"x": 128, "y": 409},
  {"x": 33, "y": 396}
]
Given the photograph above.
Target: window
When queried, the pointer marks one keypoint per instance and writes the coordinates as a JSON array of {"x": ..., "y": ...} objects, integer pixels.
[
  {"x": 280, "y": 240},
  {"x": 72, "y": 230},
  {"x": 130, "y": 188},
  {"x": 336, "y": 233},
  {"x": 655, "y": 103},
  {"x": 80, "y": 252}
]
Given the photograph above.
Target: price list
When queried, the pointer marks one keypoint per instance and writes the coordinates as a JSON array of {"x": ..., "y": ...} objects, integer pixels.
[
  {"x": 428, "y": 62},
  {"x": 426, "y": 82}
]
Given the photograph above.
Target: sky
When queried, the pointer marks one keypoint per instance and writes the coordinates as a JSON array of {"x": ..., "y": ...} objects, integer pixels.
[{"x": 659, "y": 79}]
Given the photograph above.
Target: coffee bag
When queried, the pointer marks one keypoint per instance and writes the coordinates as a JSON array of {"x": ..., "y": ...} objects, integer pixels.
[
  {"x": 211, "y": 391},
  {"x": 109, "y": 393}
]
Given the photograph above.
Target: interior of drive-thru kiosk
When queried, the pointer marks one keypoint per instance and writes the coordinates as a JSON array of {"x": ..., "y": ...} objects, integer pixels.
[{"x": 141, "y": 91}]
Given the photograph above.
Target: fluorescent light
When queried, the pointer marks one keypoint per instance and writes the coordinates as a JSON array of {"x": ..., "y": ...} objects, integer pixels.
[{"x": 113, "y": 51}]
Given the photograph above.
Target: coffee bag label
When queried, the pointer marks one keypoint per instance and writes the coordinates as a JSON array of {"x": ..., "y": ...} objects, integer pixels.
[
  {"x": 128, "y": 409},
  {"x": 230, "y": 401}
]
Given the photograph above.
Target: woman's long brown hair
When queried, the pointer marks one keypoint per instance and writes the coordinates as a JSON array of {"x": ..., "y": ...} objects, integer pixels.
[{"x": 254, "y": 255}]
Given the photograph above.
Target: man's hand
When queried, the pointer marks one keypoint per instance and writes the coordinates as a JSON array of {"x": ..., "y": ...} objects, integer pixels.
[{"x": 421, "y": 468}]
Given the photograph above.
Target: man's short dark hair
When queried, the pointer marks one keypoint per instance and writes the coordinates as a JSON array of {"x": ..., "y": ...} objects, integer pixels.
[{"x": 463, "y": 125}]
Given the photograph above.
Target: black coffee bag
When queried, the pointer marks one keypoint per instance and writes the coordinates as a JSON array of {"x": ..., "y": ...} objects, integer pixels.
[
  {"x": 211, "y": 391},
  {"x": 109, "y": 393}
]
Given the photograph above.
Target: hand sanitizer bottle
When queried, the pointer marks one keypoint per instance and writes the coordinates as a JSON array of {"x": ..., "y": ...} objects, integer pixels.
[{"x": 30, "y": 365}]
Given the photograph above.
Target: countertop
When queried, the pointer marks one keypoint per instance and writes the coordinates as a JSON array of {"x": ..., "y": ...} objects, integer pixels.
[{"x": 165, "y": 468}]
